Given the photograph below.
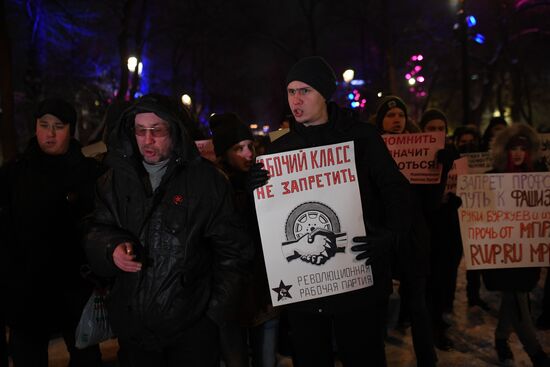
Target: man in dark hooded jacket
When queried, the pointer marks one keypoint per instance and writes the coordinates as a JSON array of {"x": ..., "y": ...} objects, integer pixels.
[
  {"x": 165, "y": 228},
  {"x": 357, "y": 317},
  {"x": 45, "y": 193}
]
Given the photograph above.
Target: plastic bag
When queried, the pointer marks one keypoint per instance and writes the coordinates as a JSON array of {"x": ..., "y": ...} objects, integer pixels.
[{"x": 93, "y": 327}]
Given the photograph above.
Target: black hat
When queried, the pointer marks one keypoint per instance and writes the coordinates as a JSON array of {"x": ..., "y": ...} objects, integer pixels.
[
  {"x": 432, "y": 114},
  {"x": 59, "y": 108},
  {"x": 387, "y": 104},
  {"x": 316, "y": 72},
  {"x": 227, "y": 130}
]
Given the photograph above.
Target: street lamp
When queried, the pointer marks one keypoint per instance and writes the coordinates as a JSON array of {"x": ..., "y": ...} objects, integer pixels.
[
  {"x": 132, "y": 63},
  {"x": 186, "y": 100},
  {"x": 348, "y": 75}
]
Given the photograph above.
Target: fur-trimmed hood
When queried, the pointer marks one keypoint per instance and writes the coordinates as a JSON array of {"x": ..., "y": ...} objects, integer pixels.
[{"x": 500, "y": 143}]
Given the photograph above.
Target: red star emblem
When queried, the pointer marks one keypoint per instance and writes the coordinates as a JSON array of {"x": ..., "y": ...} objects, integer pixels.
[{"x": 177, "y": 199}]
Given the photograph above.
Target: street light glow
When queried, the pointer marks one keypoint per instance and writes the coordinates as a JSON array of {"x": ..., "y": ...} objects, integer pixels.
[
  {"x": 132, "y": 63},
  {"x": 186, "y": 100},
  {"x": 348, "y": 75},
  {"x": 412, "y": 81}
]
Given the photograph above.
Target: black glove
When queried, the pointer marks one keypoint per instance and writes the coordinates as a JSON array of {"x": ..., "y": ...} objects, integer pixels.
[
  {"x": 376, "y": 245},
  {"x": 256, "y": 177},
  {"x": 454, "y": 201}
]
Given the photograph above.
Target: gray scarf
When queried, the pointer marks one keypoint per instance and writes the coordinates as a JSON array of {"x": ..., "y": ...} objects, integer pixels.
[{"x": 156, "y": 171}]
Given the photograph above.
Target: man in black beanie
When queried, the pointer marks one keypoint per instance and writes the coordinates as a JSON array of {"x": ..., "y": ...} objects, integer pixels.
[
  {"x": 357, "y": 317},
  {"x": 60, "y": 109},
  {"x": 391, "y": 115},
  {"x": 49, "y": 189}
]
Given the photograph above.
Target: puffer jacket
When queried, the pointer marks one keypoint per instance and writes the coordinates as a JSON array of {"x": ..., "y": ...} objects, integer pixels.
[
  {"x": 385, "y": 195},
  {"x": 513, "y": 279},
  {"x": 192, "y": 244}
]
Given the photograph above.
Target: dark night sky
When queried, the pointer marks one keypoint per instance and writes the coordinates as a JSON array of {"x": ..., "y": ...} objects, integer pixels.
[{"x": 233, "y": 55}]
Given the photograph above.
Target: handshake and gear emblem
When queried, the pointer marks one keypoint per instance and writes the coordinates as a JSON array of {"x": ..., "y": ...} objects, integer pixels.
[{"x": 313, "y": 234}]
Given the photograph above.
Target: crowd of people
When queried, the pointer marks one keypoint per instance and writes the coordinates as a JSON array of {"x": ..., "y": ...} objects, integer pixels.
[{"x": 174, "y": 239}]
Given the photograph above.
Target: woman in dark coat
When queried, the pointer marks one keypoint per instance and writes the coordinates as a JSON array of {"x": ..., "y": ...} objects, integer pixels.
[{"x": 515, "y": 149}]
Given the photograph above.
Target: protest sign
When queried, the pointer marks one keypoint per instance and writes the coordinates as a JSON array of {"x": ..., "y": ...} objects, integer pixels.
[
  {"x": 206, "y": 149},
  {"x": 479, "y": 162},
  {"x": 545, "y": 149},
  {"x": 460, "y": 167},
  {"x": 505, "y": 219},
  {"x": 308, "y": 213},
  {"x": 415, "y": 155}
]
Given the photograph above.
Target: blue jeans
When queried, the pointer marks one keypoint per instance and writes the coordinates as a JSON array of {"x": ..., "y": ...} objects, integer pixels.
[{"x": 263, "y": 340}]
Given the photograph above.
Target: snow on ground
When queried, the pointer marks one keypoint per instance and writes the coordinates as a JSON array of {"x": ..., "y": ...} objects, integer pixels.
[{"x": 471, "y": 331}]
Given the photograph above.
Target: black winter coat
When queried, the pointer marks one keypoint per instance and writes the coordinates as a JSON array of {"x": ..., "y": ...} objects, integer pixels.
[
  {"x": 192, "y": 244},
  {"x": 255, "y": 307},
  {"x": 385, "y": 194},
  {"x": 44, "y": 198}
]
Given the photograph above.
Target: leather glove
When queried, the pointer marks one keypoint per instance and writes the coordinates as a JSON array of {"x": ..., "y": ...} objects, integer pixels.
[
  {"x": 454, "y": 200},
  {"x": 374, "y": 246},
  {"x": 256, "y": 177}
]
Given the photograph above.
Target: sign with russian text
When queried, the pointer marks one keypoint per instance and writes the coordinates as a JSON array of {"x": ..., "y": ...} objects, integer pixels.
[
  {"x": 545, "y": 149},
  {"x": 206, "y": 149},
  {"x": 479, "y": 162},
  {"x": 308, "y": 213},
  {"x": 505, "y": 219},
  {"x": 415, "y": 155},
  {"x": 460, "y": 167}
]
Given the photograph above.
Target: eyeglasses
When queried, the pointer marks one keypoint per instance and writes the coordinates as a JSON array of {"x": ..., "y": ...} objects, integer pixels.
[
  {"x": 156, "y": 132},
  {"x": 300, "y": 91},
  {"x": 56, "y": 126}
]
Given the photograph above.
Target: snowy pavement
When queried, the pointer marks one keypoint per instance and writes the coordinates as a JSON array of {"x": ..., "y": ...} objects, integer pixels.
[{"x": 471, "y": 331}]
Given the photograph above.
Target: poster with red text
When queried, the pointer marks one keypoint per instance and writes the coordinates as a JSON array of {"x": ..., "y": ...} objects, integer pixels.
[
  {"x": 460, "y": 167},
  {"x": 505, "y": 219},
  {"x": 415, "y": 155},
  {"x": 308, "y": 213},
  {"x": 545, "y": 149},
  {"x": 206, "y": 149}
]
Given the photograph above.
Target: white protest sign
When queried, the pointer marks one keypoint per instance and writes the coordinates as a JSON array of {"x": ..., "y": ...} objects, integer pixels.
[
  {"x": 505, "y": 219},
  {"x": 460, "y": 167},
  {"x": 415, "y": 155},
  {"x": 308, "y": 214},
  {"x": 545, "y": 149},
  {"x": 479, "y": 162},
  {"x": 206, "y": 149}
]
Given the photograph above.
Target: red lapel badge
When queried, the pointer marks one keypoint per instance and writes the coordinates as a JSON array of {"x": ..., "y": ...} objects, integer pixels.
[{"x": 177, "y": 199}]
